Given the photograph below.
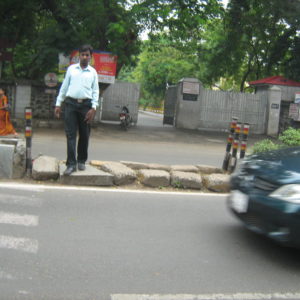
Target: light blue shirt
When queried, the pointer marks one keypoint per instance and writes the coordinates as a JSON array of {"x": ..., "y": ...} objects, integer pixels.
[{"x": 80, "y": 84}]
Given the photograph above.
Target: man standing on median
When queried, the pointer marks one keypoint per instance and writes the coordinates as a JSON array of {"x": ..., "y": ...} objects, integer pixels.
[{"x": 80, "y": 92}]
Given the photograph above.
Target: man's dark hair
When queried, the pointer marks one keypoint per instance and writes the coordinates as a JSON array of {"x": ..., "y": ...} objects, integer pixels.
[{"x": 85, "y": 48}]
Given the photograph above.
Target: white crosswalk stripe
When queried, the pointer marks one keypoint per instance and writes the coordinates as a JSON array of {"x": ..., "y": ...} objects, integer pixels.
[
  {"x": 17, "y": 216},
  {"x": 19, "y": 243},
  {"x": 19, "y": 200},
  {"x": 5, "y": 275},
  {"x": 17, "y": 219}
]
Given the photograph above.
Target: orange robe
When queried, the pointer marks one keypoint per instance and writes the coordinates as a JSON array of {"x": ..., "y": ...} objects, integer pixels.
[{"x": 6, "y": 127}]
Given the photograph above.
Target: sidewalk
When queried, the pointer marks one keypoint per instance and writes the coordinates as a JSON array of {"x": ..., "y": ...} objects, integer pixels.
[
  {"x": 165, "y": 145},
  {"x": 143, "y": 157}
]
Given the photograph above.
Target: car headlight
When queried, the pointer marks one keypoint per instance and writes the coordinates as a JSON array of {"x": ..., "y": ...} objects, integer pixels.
[{"x": 289, "y": 192}]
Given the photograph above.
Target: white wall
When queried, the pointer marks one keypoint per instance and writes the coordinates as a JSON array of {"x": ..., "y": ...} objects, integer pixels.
[
  {"x": 23, "y": 99},
  {"x": 214, "y": 110}
]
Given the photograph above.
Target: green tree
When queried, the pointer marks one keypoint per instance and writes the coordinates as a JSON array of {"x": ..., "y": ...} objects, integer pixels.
[
  {"x": 43, "y": 28},
  {"x": 255, "y": 39},
  {"x": 161, "y": 65}
]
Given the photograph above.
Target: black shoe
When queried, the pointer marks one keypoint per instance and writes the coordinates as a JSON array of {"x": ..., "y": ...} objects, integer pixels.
[
  {"x": 69, "y": 170},
  {"x": 81, "y": 166}
]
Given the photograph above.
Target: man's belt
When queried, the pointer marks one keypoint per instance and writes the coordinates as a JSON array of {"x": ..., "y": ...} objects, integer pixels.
[{"x": 79, "y": 100}]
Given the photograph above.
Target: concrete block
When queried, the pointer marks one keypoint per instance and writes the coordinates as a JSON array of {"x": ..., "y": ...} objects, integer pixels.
[
  {"x": 45, "y": 168},
  {"x": 122, "y": 174},
  {"x": 91, "y": 176},
  {"x": 184, "y": 168},
  {"x": 159, "y": 167},
  {"x": 135, "y": 165},
  {"x": 9, "y": 141},
  {"x": 97, "y": 163},
  {"x": 217, "y": 182},
  {"x": 19, "y": 161},
  {"x": 154, "y": 178},
  {"x": 187, "y": 180},
  {"x": 6, "y": 160},
  {"x": 19, "y": 156},
  {"x": 204, "y": 169}
]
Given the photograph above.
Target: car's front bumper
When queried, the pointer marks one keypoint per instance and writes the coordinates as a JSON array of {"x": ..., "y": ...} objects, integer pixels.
[{"x": 274, "y": 218}]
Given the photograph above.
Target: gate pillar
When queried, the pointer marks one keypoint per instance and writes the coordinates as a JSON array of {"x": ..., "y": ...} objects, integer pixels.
[{"x": 273, "y": 110}]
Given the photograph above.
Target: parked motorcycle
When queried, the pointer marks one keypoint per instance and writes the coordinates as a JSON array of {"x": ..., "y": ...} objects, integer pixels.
[{"x": 125, "y": 118}]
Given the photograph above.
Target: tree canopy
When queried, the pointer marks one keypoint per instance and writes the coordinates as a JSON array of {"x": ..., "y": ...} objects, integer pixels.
[
  {"x": 248, "y": 40},
  {"x": 161, "y": 65},
  {"x": 255, "y": 39},
  {"x": 41, "y": 29}
]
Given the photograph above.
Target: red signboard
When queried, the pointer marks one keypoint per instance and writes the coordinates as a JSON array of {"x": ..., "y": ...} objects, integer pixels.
[{"x": 105, "y": 64}]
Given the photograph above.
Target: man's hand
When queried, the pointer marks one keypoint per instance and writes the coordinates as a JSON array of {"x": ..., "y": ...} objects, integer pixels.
[
  {"x": 90, "y": 115},
  {"x": 57, "y": 111}
]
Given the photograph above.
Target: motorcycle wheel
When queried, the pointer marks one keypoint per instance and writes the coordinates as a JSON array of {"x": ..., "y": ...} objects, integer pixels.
[{"x": 123, "y": 125}]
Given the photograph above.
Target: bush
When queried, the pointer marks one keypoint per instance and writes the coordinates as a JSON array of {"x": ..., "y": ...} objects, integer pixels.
[
  {"x": 264, "y": 145},
  {"x": 290, "y": 137}
]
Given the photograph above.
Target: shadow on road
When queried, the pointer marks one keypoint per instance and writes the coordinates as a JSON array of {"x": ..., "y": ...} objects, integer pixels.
[{"x": 265, "y": 249}]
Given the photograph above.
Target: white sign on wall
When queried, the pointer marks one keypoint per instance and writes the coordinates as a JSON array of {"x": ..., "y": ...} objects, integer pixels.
[
  {"x": 190, "y": 88},
  {"x": 50, "y": 79}
]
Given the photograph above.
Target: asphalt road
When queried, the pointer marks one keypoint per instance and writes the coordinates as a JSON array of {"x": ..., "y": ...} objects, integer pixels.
[
  {"x": 77, "y": 243},
  {"x": 148, "y": 142}
]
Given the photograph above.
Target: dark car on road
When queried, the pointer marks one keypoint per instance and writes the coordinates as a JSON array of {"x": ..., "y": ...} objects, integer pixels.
[{"x": 265, "y": 194}]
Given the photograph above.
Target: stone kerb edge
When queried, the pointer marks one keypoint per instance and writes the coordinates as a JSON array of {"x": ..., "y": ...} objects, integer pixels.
[{"x": 207, "y": 178}]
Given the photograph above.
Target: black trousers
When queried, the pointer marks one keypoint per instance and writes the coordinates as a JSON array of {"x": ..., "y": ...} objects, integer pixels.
[{"x": 74, "y": 122}]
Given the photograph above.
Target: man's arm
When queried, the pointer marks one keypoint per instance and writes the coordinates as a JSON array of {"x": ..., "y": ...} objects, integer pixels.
[
  {"x": 95, "y": 91},
  {"x": 89, "y": 117},
  {"x": 57, "y": 111},
  {"x": 62, "y": 94}
]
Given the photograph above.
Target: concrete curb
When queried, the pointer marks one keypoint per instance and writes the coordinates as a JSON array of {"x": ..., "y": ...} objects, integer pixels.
[
  {"x": 12, "y": 158},
  {"x": 114, "y": 174}
]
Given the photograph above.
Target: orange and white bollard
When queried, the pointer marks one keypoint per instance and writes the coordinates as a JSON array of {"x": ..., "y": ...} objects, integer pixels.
[
  {"x": 235, "y": 147},
  {"x": 229, "y": 143},
  {"x": 28, "y": 136},
  {"x": 244, "y": 139}
]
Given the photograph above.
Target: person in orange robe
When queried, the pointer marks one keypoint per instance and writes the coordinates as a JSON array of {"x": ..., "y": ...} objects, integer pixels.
[{"x": 6, "y": 127}]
